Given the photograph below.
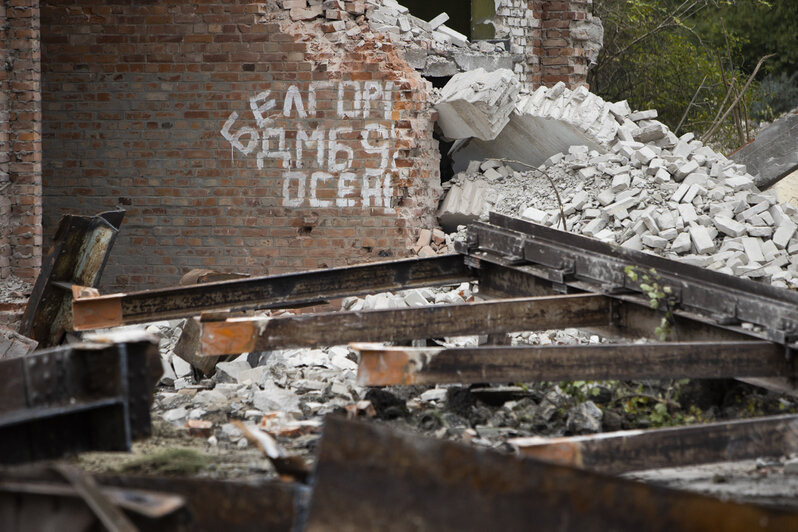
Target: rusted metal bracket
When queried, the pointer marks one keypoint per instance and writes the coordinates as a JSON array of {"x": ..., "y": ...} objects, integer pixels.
[
  {"x": 79, "y": 254},
  {"x": 277, "y": 291},
  {"x": 77, "y": 398},
  {"x": 369, "y": 477},
  {"x": 385, "y": 366},
  {"x": 634, "y": 450},
  {"x": 248, "y": 334}
]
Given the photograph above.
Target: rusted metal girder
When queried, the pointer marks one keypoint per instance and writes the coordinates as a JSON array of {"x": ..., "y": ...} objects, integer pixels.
[
  {"x": 574, "y": 261},
  {"x": 634, "y": 450},
  {"x": 277, "y": 291},
  {"x": 215, "y": 505},
  {"x": 79, "y": 253},
  {"x": 77, "y": 398},
  {"x": 35, "y": 497},
  {"x": 385, "y": 366},
  {"x": 336, "y": 328},
  {"x": 369, "y": 477}
]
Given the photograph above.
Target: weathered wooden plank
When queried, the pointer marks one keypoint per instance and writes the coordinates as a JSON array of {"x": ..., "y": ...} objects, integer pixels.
[
  {"x": 383, "y": 366},
  {"x": 311, "y": 330},
  {"x": 634, "y": 450},
  {"x": 276, "y": 291},
  {"x": 370, "y": 477}
]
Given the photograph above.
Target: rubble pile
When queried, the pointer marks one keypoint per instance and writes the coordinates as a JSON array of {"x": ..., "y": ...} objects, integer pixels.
[
  {"x": 286, "y": 393},
  {"x": 548, "y": 121},
  {"x": 430, "y": 47},
  {"x": 641, "y": 188}
]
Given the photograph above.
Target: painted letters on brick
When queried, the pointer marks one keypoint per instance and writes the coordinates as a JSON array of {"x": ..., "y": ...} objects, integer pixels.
[{"x": 333, "y": 149}]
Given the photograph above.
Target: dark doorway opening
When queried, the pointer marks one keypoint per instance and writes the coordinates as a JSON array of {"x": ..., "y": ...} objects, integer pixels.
[{"x": 471, "y": 18}]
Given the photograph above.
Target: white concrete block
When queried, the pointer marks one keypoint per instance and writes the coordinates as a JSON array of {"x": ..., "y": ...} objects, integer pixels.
[
  {"x": 702, "y": 242},
  {"x": 620, "y": 182},
  {"x": 687, "y": 213},
  {"x": 784, "y": 234},
  {"x": 727, "y": 226},
  {"x": 753, "y": 249},
  {"x": 654, "y": 241},
  {"x": 682, "y": 243},
  {"x": 535, "y": 215}
]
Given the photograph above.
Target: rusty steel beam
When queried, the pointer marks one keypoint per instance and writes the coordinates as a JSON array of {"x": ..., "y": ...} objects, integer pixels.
[
  {"x": 635, "y": 450},
  {"x": 80, "y": 250},
  {"x": 277, "y": 291},
  {"x": 370, "y": 477},
  {"x": 573, "y": 261},
  {"x": 35, "y": 497},
  {"x": 335, "y": 328},
  {"x": 385, "y": 366},
  {"x": 77, "y": 398}
]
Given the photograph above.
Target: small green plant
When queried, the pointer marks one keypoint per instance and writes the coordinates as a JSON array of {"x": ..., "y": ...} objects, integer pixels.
[{"x": 660, "y": 297}]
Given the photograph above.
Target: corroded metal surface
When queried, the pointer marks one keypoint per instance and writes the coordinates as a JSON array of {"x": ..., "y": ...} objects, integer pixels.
[
  {"x": 385, "y": 366},
  {"x": 71, "y": 399},
  {"x": 79, "y": 253},
  {"x": 633, "y": 450},
  {"x": 310, "y": 330},
  {"x": 277, "y": 291},
  {"x": 369, "y": 477}
]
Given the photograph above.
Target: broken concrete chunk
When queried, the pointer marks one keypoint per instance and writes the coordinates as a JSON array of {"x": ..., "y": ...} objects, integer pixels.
[
  {"x": 477, "y": 103},
  {"x": 438, "y": 21},
  {"x": 702, "y": 241},
  {"x": 727, "y": 226},
  {"x": 535, "y": 215}
]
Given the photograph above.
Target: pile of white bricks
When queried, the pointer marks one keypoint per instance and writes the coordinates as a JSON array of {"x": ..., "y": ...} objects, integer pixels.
[{"x": 650, "y": 191}]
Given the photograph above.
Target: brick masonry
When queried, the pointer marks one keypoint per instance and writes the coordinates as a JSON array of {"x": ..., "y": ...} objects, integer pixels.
[
  {"x": 235, "y": 139},
  {"x": 20, "y": 151},
  {"x": 557, "y": 39},
  {"x": 258, "y": 137}
]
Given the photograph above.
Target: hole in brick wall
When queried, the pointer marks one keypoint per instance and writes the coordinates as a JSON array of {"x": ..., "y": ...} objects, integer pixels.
[
  {"x": 367, "y": 249},
  {"x": 443, "y": 145},
  {"x": 385, "y": 253},
  {"x": 305, "y": 230},
  {"x": 459, "y": 14},
  {"x": 472, "y": 18},
  {"x": 248, "y": 67}
]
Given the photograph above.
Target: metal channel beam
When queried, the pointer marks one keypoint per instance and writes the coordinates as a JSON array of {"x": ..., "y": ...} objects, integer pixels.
[
  {"x": 267, "y": 292},
  {"x": 336, "y": 328},
  {"x": 385, "y": 366},
  {"x": 369, "y": 477},
  {"x": 568, "y": 257},
  {"x": 635, "y": 450},
  {"x": 80, "y": 250},
  {"x": 67, "y": 400}
]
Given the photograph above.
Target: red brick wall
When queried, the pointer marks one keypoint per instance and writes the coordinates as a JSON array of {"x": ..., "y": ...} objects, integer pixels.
[
  {"x": 561, "y": 57},
  {"x": 549, "y": 35},
  {"x": 188, "y": 115},
  {"x": 20, "y": 150}
]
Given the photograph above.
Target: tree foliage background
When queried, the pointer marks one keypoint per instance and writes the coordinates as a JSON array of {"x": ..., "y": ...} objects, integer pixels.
[{"x": 692, "y": 59}]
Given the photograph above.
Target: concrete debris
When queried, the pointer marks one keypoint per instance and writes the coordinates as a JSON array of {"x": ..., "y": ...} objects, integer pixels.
[
  {"x": 584, "y": 418},
  {"x": 634, "y": 184},
  {"x": 13, "y": 344},
  {"x": 548, "y": 122},
  {"x": 477, "y": 103}
]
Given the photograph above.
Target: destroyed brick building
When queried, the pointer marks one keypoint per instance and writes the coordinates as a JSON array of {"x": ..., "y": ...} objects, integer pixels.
[
  {"x": 417, "y": 217},
  {"x": 249, "y": 136}
]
